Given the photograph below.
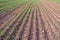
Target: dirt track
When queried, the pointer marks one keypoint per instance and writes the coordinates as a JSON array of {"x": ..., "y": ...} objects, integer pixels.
[{"x": 32, "y": 22}]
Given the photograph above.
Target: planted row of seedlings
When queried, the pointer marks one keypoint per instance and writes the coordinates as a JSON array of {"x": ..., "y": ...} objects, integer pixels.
[
  {"x": 7, "y": 24},
  {"x": 52, "y": 25},
  {"x": 32, "y": 23},
  {"x": 55, "y": 23},
  {"x": 13, "y": 17},
  {"x": 28, "y": 27},
  {"x": 9, "y": 16},
  {"x": 24, "y": 26},
  {"x": 55, "y": 15},
  {"x": 11, "y": 28},
  {"x": 20, "y": 26},
  {"x": 7, "y": 6}
]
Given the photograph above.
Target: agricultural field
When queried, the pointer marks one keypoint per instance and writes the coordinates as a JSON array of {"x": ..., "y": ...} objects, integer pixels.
[
  {"x": 29, "y": 20},
  {"x": 56, "y": 1},
  {"x": 9, "y": 5}
]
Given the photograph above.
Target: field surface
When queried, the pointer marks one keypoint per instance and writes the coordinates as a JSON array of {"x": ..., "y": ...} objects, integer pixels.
[
  {"x": 29, "y": 20},
  {"x": 56, "y": 1}
]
